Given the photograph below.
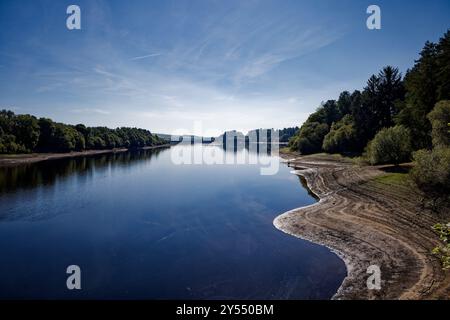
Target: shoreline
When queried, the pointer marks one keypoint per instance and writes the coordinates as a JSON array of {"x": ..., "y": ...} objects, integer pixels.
[
  {"x": 364, "y": 222},
  {"x": 277, "y": 222},
  {"x": 22, "y": 159}
]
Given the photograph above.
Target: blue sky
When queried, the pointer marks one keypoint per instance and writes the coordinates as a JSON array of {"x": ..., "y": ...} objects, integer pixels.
[{"x": 162, "y": 65}]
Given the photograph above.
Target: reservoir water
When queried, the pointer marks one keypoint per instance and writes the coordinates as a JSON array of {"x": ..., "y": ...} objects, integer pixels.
[{"x": 141, "y": 227}]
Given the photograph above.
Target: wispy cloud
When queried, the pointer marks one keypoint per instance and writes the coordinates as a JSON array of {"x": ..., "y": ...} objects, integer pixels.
[
  {"x": 146, "y": 56},
  {"x": 91, "y": 111},
  {"x": 243, "y": 45},
  {"x": 216, "y": 64},
  {"x": 282, "y": 49}
]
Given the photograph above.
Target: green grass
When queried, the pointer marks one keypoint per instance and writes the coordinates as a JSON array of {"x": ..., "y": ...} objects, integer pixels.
[
  {"x": 335, "y": 156},
  {"x": 393, "y": 178},
  {"x": 285, "y": 150}
]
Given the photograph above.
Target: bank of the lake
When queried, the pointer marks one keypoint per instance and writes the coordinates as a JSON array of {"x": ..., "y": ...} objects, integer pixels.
[
  {"x": 368, "y": 220},
  {"x": 18, "y": 159}
]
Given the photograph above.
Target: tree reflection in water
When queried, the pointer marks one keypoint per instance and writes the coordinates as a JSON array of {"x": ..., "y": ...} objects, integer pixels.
[{"x": 47, "y": 173}]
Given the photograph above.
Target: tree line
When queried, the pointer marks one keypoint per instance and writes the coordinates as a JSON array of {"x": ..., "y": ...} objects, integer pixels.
[
  {"x": 287, "y": 133},
  {"x": 392, "y": 120},
  {"x": 348, "y": 125},
  {"x": 25, "y": 133}
]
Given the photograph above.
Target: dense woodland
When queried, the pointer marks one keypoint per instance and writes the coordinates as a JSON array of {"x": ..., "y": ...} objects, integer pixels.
[
  {"x": 348, "y": 124},
  {"x": 284, "y": 135},
  {"x": 394, "y": 119},
  {"x": 25, "y": 134}
]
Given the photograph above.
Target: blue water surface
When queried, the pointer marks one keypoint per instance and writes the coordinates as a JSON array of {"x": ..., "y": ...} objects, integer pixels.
[{"x": 142, "y": 227}]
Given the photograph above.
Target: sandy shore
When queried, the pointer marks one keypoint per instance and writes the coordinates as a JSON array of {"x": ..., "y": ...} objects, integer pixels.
[
  {"x": 19, "y": 159},
  {"x": 367, "y": 221}
]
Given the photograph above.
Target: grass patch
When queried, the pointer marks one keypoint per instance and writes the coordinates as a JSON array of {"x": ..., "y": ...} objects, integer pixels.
[
  {"x": 285, "y": 150},
  {"x": 340, "y": 157},
  {"x": 393, "y": 178}
]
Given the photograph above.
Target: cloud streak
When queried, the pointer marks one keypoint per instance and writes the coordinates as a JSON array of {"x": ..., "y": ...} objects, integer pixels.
[
  {"x": 217, "y": 63},
  {"x": 145, "y": 57},
  {"x": 91, "y": 111}
]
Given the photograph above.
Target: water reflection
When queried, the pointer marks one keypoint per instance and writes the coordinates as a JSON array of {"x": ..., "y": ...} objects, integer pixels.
[
  {"x": 47, "y": 173},
  {"x": 141, "y": 227},
  {"x": 251, "y": 147}
]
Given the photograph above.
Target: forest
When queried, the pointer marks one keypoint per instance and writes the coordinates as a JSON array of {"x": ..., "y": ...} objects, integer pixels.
[
  {"x": 394, "y": 119},
  {"x": 25, "y": 134},
  {"x": 286, "y": 134},
  {"x": 349, "y": 124}
]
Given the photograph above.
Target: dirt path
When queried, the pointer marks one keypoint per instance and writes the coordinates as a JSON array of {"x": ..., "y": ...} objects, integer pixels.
[{"x": 368, "y": 222}]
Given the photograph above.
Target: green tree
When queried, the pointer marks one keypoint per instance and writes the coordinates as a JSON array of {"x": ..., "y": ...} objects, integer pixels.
[
  {"x": 375, "y": 108},
  {"x": 421, "y": 83},
  {"x": 7, "y": 121},
  {"x": 63, "y": 139},
  {"x": 364, "y": 109},
  {"x": 443, "y": 65},
  {"x": 342, "y": 137},
  {"x": 344, "y": 104},
  {"x": 439, "y": 118},
  {"x": 327, "y": 113},
  {"x": 8, "y": 144},
  {"x": 26, "y": 131},
  {"x": 95, "y": 142},
  {"x": 80, "y": 142},
  {"x": 431, "y": 173},
  {"x": 81, "y": 128},
  {"x": 390, "y": 145},
  {"x": 310, "y": 137},
  {"x": 390, "y": 91},
  {"x": 286, "y": 133},
  {"x": 47, "y": 132}
]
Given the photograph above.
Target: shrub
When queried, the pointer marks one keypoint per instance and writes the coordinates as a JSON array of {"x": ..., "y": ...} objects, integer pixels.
[
  {"x": 443, "y": 251},
  {"x": 431, "y": 173},
  {"x": 440, "y": 119},
  {"x": 390, "y": 145}
]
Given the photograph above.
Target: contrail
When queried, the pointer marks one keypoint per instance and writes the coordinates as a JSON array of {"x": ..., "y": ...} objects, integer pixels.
[{"x": 146, "y": 56}]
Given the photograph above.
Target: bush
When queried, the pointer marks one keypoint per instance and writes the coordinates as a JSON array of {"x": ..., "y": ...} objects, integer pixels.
[
  {"x": 443, "y": 251},
  {"x": 431, "y": 173},
  {"x": 342, "y": 137},
  {"x": 390, "y": 145},
  {"x": 440, "y": 120}
]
